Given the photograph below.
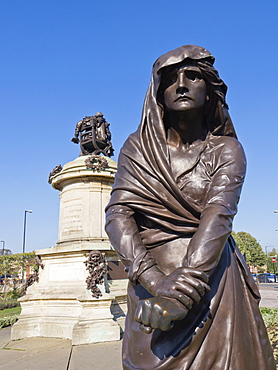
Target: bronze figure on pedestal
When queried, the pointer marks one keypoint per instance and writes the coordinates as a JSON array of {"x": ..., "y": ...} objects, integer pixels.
[{"x": 94, "y": 136}]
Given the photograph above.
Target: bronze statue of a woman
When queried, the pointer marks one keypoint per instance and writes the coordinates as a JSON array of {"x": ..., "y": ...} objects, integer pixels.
[{"x": 192, "y": 302}]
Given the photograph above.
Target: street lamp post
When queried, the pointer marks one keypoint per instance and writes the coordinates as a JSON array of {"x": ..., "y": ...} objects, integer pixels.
[
  {"x": 273, "y": 259},
  {"x": 24, "y": 230},
  {"x": 275, "y": 211},
  {"x": 270, "y": 246},
  {"x": 3, "y": 249}
]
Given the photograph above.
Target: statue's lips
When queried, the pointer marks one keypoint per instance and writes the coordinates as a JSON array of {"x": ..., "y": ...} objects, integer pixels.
[{"x": 183, "y": 97}]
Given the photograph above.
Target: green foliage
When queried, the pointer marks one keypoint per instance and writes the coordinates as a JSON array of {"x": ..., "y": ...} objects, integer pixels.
[
  {"x": 270, "y": 316},
  {"x": 10, "y": 312},
  {"x": 16, "y": 264},
  {"x": 16, "y": 293},
  {"x": 13, "y": 264},
  {"x": 9, "y": 316},
  {"x": 8, "y": 304},
  {"x": 8, "y": 320},
  {"x": 250, "y": 247}
]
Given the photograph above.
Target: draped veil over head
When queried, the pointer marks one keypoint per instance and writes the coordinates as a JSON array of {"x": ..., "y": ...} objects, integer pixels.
[{"x": 217, "y": 117}]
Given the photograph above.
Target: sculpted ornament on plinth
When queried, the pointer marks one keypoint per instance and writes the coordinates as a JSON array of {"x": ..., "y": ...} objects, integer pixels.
[
  {"x": 97, "y": 268},
  {"x": 192, "y": 301}
]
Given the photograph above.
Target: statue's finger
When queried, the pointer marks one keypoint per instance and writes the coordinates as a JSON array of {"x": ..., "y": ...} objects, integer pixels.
[
  {"x": 165, "y": 323},
  {"x": 155, "y": 317},
  {"x": 138, "y": 313},
  {"x": 199, "y": 285},
  {"x": 146, "y": 313},
  {"x": 198, "y": 274},
  {"x": 189, "y": 291},
  {"x": 145, "y": 329},
  {"x": 181, "y": 297}
]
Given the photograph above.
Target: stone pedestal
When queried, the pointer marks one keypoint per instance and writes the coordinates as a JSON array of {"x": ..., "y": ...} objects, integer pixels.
[{"x": 60, "y": 305}]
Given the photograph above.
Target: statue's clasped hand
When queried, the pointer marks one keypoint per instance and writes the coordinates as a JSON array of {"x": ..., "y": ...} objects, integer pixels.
[
  {"x": 174, "y": 296},
  {"x": 185, "y": 284},
  {"x": 159, "y": 313}
]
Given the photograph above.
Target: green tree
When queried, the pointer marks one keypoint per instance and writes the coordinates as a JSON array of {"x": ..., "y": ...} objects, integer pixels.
[
  {"x": 15, "y": 265},
  {"x": 7, "y": 267},
  {"x": 250, "y": 247}
]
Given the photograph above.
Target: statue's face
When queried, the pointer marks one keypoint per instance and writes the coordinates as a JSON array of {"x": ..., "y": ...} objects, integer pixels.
[
  {"x": 185, "y": 88},
  {"x": 95, "y": 257}
]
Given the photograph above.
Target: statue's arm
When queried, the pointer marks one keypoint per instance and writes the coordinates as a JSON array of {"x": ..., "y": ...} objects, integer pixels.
[
  {"x": 185, "y": 284},
  {"x": 215, "y": 226},
  {"x": 123, "y": 233},
  {"x": 76, "y": 132},
  {"x": 108, "y": 133}
]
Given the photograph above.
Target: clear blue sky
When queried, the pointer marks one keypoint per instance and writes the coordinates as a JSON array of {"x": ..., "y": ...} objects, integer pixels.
[{"x": 64, "y": 59}]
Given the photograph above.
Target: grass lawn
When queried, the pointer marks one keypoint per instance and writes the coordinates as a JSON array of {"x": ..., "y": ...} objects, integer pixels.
[{"x": 10, "y": 312}]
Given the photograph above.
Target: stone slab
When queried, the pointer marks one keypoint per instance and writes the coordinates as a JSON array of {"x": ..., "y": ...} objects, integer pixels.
[
  {"x": 35, "y": 353},
  {"x": 99, "y": 356},
  {"x": 57, "y": 354},
  {"x": 5, "y": 336}
]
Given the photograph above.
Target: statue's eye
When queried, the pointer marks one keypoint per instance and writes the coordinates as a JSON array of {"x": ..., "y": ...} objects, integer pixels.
[
  {"x": 193, "y": 75},
  {"x": 171, "y": 79}
]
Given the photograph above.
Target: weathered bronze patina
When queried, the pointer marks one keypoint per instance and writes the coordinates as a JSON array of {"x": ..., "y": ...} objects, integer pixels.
[
  {"x": 94, "y": 135},
  {"x": 170, "y": 219}
]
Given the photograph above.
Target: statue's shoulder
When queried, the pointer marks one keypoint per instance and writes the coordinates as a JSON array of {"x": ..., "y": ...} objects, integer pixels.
[
  {"x": 132, "y": 140},
  {"x": 225, "y": 149},
  {"x": 226, "y": 143}
]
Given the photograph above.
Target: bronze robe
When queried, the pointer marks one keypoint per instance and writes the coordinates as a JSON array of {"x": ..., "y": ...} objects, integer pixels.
[{"x": 225, "y": 330}]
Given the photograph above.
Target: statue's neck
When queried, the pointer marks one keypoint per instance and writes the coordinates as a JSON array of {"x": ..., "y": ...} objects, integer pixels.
[{"x": 184, "y": 128}]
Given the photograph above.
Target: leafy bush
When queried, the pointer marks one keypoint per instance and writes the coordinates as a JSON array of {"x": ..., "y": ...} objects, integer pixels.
[
  {"x": 10, "y": 303},
  {"x": 270, "y": 316},
  {"x": 16, "y": 293},
  {"x": 8, "y": 320}
]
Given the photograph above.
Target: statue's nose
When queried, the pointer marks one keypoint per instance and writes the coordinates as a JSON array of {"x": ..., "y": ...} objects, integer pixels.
[{"x": 181, "y": 83}]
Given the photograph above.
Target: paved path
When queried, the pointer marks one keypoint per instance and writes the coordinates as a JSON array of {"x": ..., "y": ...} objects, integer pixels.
[
  {"x": 269, "y": 293},
  {"x": 59, "y": 354},
  {"x": 56, "y": 354}
]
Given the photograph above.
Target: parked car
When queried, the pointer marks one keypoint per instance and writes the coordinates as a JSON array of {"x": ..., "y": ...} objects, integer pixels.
[
  {"x": 271, "y": 278},
  {"x": 2, "y": 277},
  {"x": 254, "y": 276},
  {"x": 267, "y": 277}
]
